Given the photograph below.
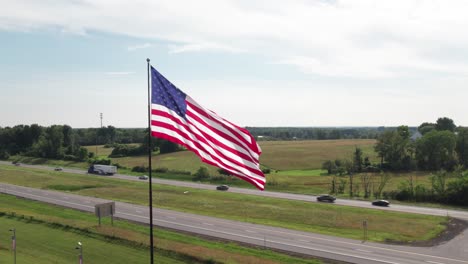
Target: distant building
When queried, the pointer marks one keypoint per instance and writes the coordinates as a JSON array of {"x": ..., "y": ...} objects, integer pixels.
[{"x": 416, "y": 135}]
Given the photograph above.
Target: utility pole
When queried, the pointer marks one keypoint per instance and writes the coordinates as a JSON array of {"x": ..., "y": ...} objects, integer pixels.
[
  {"x": 101, "y": 119},
  {"x": 13, "y": 244},
  {"x": 80, "y": 247}
]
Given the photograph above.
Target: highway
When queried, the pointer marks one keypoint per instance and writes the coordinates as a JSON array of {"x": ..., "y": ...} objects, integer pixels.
[
  {"x": 346, "y": 250},
  {"x": 300, "y": 197},
  {"x": 329, "y": 247}
]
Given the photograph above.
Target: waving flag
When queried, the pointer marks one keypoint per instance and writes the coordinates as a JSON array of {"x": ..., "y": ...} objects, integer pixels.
[{"x": 176, "y": 117}]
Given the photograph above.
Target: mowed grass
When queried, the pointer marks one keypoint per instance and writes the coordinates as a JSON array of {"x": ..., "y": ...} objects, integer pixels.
[
  {"x": 48, "y": 234},
  {"x": 310, "y": 154},
  {"x": 37, "y": 244},
  {"x": 321, "y": 218}
]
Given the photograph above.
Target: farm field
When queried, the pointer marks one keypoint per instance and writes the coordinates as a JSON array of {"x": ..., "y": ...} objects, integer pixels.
[
  {"x": 295, "y": 165},
  {"x": 277, "y": 155},
  {"x": 319, "y": 218},
  {"x": 49, "y": 234}
]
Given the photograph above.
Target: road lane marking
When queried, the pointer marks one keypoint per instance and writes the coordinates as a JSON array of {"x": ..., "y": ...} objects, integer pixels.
[
  {"x": 392, "y": 250},
  {"x": 362, "y": 250},
  {"x": 434, "y": 262},
  {"x": 250, "y": 231},
  {"x": 208, "y": 224}
]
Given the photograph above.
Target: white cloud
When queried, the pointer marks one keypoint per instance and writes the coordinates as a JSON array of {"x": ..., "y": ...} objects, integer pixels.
[
  {"x": 141, "y": 46},
  {"x": 202, "y": 47},
  {"x": 119, "y": 73},
  {"x": 358, "y": 39}
]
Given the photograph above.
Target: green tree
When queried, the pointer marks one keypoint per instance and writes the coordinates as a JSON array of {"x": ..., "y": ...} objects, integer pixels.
[
  {"x": 357, "y": 160},
  {"x": 426, "y": 127},
  {"x": 462, "y": 146},
  {"x": 435, "y": 150},
  {"x": 445, "y": 123},
  {"x": 393, "y": 147},
  {"x": 201, "y": 174}
]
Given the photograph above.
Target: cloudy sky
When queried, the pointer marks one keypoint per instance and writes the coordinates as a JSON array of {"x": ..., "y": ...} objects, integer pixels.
[{"x": 256, "y": 63}]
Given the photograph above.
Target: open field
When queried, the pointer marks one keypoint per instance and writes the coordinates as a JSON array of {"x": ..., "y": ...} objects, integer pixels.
[
  {"x": 320, "y": 218},
  {"x": 278, "y": 155},
  {"x": 48, "y": 234},
  {"x": 310, "y": 154}
]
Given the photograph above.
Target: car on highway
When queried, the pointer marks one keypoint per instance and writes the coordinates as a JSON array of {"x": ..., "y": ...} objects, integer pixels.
[
  {"x": 222, "y": 188},
  {"x": 143, "y": 177},
  {"x": 326, "y": 198},
  {"x": 58, "y": 169},
  {"x": 381, "y": 203}
]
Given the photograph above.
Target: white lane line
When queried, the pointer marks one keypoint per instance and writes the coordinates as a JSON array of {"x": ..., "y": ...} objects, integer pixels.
[
  {"x": 302, "y": 240},
  {"x": 338, "y": 253},
  {"x": 434, "y": 262},
  {"x": 362, "y": 250},
  {"x": 250, "y": 231},
  {"x": 208, "y": 224}
]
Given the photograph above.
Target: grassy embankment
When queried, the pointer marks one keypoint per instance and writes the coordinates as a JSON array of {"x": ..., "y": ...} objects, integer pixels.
[
  {"x": 49, "y": 234},
  {"x": 320, "y": 218}
]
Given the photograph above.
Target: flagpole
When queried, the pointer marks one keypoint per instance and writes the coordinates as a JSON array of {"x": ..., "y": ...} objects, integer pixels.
[{"x": 149, "y": 168}]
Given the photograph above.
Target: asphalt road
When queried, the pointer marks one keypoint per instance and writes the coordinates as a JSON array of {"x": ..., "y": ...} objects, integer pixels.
[
  {"x": 364, "y": 204},
  {"x": 264, "y": 236}
]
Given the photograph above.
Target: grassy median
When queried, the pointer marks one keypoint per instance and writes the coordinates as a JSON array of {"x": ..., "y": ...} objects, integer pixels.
[
  {"x": 320, "y": 218},
  {"x": 49, "y": 234}
]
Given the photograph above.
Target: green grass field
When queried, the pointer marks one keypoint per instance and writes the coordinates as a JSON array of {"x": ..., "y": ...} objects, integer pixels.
[
  {"x": 278, "y": 155},
  {"x": 321, "y": 218},
  {"x": 49, "y": 234},
  {"x": 296, "y": 165},
  {"x": 310, "y": 154}
]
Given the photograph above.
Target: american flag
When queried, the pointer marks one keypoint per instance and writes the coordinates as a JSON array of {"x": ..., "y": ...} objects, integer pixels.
[{"x": 176, "y": 117}]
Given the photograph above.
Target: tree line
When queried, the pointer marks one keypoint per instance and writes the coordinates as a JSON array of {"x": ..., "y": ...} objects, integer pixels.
[
  {"x": 315, "y": 133},
  {"x": 64, "y": 142},
  {"x": 440, "y": 148}
]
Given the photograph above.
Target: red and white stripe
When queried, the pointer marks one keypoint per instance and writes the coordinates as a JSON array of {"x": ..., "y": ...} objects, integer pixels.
[{"x": 215, "y": 140}]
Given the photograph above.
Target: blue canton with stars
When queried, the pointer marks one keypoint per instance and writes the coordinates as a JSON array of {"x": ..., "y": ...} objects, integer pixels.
[{"x": 163, "y": 92}]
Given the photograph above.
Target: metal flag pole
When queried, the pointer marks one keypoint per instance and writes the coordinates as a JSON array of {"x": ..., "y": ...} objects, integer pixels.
[{"x": 149, "y": 167}]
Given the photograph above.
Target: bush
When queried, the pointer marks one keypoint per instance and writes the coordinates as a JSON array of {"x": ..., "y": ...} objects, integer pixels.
[
  {"x": 161, "y": 170},
  {"x": 4, "y": 155},
  {"x": 140, "y": 169},
  {"x": 266, "y": 170},
  {"x": 100, "y": 161},
  {"x": 70, "y": 157},
  {"x": 201, "y": 174}
]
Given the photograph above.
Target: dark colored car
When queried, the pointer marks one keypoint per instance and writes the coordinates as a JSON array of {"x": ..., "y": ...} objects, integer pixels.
[
  {"x": 326, "y": 198},
  {"x": 58, "y": 169},
  {"x": 143, "y": 177},
  {"x": 381, "y": 203},
  {"x": 222, "y": 187}
]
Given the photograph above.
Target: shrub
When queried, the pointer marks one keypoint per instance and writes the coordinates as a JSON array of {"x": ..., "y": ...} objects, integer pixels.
[
  {"x": 100, "y": 161},
  {"x": 140, "y": 169},
  {"x": 4, "y": 155},
  {"x": 161, "y": 170},
  {"x": 201, "y": 174},
  {"x": 70, "y": 157}
]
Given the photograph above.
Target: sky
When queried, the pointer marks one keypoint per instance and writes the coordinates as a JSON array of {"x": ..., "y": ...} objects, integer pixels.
[{"x": 305, "y": 63}]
